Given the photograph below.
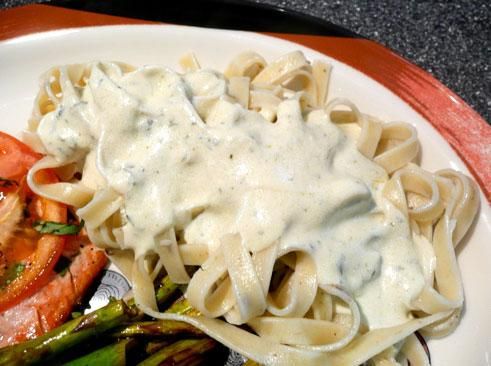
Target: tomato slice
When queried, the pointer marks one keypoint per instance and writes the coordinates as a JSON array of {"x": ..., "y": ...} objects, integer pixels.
[
  {"x": 15, "y": 157},
  {"x": 39, "y": 264}
]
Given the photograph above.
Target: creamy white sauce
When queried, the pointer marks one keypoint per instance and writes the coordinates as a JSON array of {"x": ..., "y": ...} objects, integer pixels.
[{"x": 183, "y": 155}]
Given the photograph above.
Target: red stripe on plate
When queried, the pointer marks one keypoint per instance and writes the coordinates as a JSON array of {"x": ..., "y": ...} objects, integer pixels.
[{"x": 465, "y": 130}]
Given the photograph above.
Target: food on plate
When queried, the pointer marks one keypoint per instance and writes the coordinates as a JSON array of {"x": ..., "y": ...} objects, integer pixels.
[
  {"x": 34, "y": 298},
  {"x": 301, "y": 228},
  {"x": 113, "y": 331}
]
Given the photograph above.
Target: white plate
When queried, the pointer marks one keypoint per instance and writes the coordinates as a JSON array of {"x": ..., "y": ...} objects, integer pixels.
[{"x": 23, "y": 59}]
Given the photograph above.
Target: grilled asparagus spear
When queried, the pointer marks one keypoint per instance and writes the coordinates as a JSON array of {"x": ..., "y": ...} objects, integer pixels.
[
  {"x": 156, "y": 328},
  {"x": 180, "y": 353},
  {"x": 68, "y": 335},
  {"x": 114, "y": 355}
]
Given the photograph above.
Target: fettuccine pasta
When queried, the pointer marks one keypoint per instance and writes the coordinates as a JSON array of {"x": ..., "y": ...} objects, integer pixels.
[{"x": 302, "y": 227}]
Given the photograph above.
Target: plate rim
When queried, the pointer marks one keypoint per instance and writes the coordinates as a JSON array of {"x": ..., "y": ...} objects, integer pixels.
[
  {"x": 462, "y": 127},
  {"x": 41, "y": 35}
]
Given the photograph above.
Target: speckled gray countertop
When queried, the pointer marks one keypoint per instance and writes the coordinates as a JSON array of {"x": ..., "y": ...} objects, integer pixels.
[{"x": 450, "y": 39}]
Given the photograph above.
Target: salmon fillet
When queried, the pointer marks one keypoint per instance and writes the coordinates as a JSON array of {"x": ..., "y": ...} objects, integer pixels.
[{"x": 53, "y": 303}]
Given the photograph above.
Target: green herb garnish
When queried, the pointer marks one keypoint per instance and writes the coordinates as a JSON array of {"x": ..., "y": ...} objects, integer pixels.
[
  {"x": 19, "y": 268},
  {"x": 57, "y": 228},
  {"x": 12, "y": 272}
]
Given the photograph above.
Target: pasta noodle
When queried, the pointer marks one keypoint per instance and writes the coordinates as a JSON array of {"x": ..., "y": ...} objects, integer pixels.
[{"x": 298, "y": 309}]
